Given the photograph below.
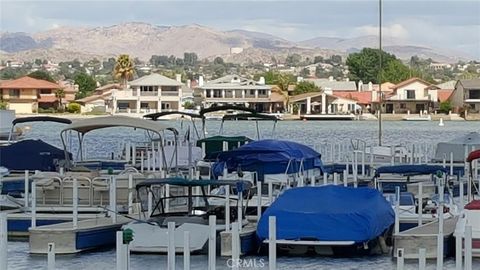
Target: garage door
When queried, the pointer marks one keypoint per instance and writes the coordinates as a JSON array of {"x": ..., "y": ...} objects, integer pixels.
[{"x": 20, "y": 107}]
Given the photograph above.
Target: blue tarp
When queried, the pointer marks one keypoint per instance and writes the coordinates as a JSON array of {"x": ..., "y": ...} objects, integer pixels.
[
  {"x": 328, "y": 213},
  {"x": 411, "y": 169},
  {"x": 268, "y": 157},
  {"x": 30, "y": 155}
]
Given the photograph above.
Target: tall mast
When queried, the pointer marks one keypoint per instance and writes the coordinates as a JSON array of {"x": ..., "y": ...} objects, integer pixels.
[{"x": 380, "y": 73}]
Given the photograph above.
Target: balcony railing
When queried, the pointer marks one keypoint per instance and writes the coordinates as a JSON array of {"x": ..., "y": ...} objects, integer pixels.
[
  {"x": 169, "y": 93},
  {"x": 148, "y": 93}
]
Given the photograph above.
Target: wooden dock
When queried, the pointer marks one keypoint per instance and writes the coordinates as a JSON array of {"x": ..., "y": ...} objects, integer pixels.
[
  {"x": 89, "y": 234},
  {"x": 424, "y": 236}
]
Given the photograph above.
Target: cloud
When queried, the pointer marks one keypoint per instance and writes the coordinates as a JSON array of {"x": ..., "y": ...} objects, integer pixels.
[{"x": 393, "y": 31}]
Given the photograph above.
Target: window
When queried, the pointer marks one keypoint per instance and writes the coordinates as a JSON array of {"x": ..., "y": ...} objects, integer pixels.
[
  {"x": 252, "y": 92},
  {"x": 262, "y": 92},
  {"x": 148, "y": 88},
  {"x": 45, "y": 91},
  {"x": 474, "y": 94},
  {"x": 15, "y": 93},
  {"x": 144, "y": 105},
  {"x": 403, "y": 106},
  {"x": 217, "y": 93},
  {"x": 165, "y": 106},
  {"x": 410, "y": 94}
]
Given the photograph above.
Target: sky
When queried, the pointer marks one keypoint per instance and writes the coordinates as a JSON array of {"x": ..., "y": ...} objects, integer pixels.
[{"x": 447, "y": 24}]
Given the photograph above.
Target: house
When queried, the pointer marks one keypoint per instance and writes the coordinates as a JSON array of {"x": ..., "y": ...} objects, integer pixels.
[
  {"x": 466, "y": 95},
  {"x": 363, "y": 99},
  {"x": 101, "y": 99},
  {"x": 410, "y": 96},
  {"x": 236, "y": 90},
  {"x": 151, "y": 93},
  {"x": 322, "y": 103},
  {"x": 26, "y": 95}
]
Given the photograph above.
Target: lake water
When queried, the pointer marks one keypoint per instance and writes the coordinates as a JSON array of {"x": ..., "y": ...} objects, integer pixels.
[{"x": 312, "y": 133}]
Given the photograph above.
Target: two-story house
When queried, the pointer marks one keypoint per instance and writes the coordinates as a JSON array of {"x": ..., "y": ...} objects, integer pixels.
[
  {"x": 236, "y": 90},
  {"x": 151, "y": 93},
  {"x": 26, "y": 95},
  {"x": 467, "y": 95}
]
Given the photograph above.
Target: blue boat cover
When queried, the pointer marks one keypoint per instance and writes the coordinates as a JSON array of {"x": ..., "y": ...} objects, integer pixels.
[
  {"x": 411, "y": 169},
  {"x": 30, "y": 155},
  {"x": 268, "y": 157},
  {"x": 328, "y": 213}
]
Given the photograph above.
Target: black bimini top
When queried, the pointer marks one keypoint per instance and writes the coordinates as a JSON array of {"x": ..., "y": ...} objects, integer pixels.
[
  {"x": 41, "y": 119},
  {"x": 225, "y": 108},
  {"x": 155, "y": 116},
  {"x": 249, "y": 116},
  {"x": 178, "y": 181}
]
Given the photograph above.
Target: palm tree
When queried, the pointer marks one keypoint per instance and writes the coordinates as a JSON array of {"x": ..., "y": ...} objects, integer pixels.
[
  {"x": 60, "y": 94},
  {"x": 281, "y": 86},
  {"x": 124, "y": 69}
]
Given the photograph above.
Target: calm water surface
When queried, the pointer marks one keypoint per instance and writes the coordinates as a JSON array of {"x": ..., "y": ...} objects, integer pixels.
[{"x": 104, "y": 141}]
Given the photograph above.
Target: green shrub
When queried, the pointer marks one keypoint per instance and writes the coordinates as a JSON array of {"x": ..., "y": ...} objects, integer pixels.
[
  {"x": 48, "y": 110},
  {"x": 445, "y": 106},
  {"x": 3, "y": 105},
  {"x": 73, "y": 108}
]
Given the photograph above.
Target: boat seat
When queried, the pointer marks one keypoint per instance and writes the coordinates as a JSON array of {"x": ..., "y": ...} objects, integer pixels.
[
  {"x": 84, "y": 190},
  {"x": 179, "y": 220},
  {"x": 100, "y": 186},
  {"x": 50, "y": 189}
]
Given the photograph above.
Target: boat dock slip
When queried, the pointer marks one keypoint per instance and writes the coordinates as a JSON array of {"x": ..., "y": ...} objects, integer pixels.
[
  {"x": 88, "y": 234},
  {"x": 425, "y": 236}
]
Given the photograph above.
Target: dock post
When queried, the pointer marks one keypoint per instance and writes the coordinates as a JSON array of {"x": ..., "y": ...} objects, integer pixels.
[
  {"x": 451, "y": 163},
  {"x": 363, "y": 161},
  {"x": 27, "y": 184},
  {"x": 312, "y": 181},
  {"x": 235, "y": 244},
  {"x": 171, "y": 246},
  {"x": 412, "y": 154},
  {"x": 120, "y": 253},
  {"x": 270, "y": 192},
  {"x": 444, "y": 161},
  {"x": 34, "y": 205},
  {"x": 440, "y": 225},
  {"x": 3, "y": 241},
  {"x": 75, "y": 203},
  {"x": 51, "y": 256},
  {"x": 345, "y": 178},
  {"x": 422, "y": 261},
  {"x": 227, "y": 208},
  {"x": 259, "y": 200},
  {"x": 186, "y": 250},
  {"x": 458, "y": 251},
  {"x": 113, "y": 199},
  {"x": 420, "y": 203},
  {"x": 148, "y": 161},
  {"x": 371, "y": 161},
  {"x": 167, "y": 194},
  {"x": 130, "y": 194},
  {"x": 400, "y": 259},
  {"x": 127, "y": 152},
  {"x": 212, "y": 242},
  {"x": 134, "y": 154},
  {"x": 335, "y": 176},
  {"x": 272, "y": 245},
  {"x": 397, "y": 210},
  {"x": 141, "y": 162},
  {"x": 325, "y": 178},
  {"x": 461, "y": 190},
  {"x": 468, "y": 247},
  {"x": 240, "y": 209},
  {"x": 149, "y": 202},
  {"x": 392, "y": 154}
]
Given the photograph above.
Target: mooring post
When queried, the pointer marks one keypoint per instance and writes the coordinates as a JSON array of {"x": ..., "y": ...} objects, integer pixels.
[
  {"x": 25, "y": 194},
  {"x": 440, "y": 225},
  {"x": 458, "y": 250},
  {"x": 75, "y": 203},
  {"x": 113, "y": 199},
  {"x": 134, "y": 154},
  {"x": 130, "y": 193},
  {"x": 451, "y": 163},
  {"x": 397, "y": 210},
  {"x": 270, "y": 192},
  {"x": 325, "y": 178},
  {"x": 422, "y": 261},
  {"x": 272, "y": 245},
  {"x": 186, "y": 250},
  {"x": 119, "y": 251},
  {"x": 227, "y": 208},
  {"x": 400, "y": 259},
  {"x": 34, "y": 205},
  {"x": 171, "y": 246},
  {"x": 3, "y": 241},
  {"x": 150, "y": 202},
  {"x": 259, "y": 199},
  {"x": 51, "y": 256},
  {"x": 468, "y": 248},
  {"x": 420, "y": 203},
  {"x": 235, "y": 244},
  {"x": 141, "y": 162},
  {"x": 345, "y": 178},
  {"x": 212, "y": 238}
]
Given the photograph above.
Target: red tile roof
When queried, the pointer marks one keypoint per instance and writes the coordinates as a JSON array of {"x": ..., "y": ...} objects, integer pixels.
[
  {"x": 444, "y": 94},
  {"x": 29, "y": 83},
  {"x": 360, "y": 97}
]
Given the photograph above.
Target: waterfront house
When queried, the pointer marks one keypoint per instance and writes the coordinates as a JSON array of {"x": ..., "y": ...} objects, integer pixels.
[
  {"x": 466, "y": 95},
  {"x": 26, "y": 95},
  {"x": 332, "y": 85},
  {"x": 151, "y": 93},
  {"x": 322, "y": 102},
  {"x": 237, "y": 90},
  {"x": 101, "y": 99}
]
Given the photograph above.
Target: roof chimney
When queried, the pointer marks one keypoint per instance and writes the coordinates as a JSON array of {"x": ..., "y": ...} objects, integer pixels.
[
  {"x": 200, "y": 81},
  {"x": 178, "y": 77},
  {"x": 360, "y": 86},
  {"x": 370, "y": 86}
]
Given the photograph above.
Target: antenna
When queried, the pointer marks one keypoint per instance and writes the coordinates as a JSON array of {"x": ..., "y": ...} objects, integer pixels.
[{"x": 380, "y": 73}]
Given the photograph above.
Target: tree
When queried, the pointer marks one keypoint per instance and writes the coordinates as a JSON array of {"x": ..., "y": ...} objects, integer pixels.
[
  {"x": 218, "y": 61},
  {"x": 60, "y": 94},
  {"x": 42, "y": 75},
  {"x": 336, "y": 58},
  {"x": 364, "y": 65},
  {"x": 395, "y": 72},
  {"x": 190, "y": 59},
  {"x": 86, "y": 84},
  {"x": 305, "y": 87},
  {"x": 124, "y": 69},
  {"x": 282, "y": 82},
  {"x": 318, "y": 59},
  {"x": 293, "y": 60},
  {"x": 446, "y": 106},
  {"x": 305, "y": 72}
]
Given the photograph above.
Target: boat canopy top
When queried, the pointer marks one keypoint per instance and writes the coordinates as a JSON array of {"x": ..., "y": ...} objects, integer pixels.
[
  {"x": 268, "y": 157},
  {"x": 473, "y": 205},
  {"x": 41, "y": 119},
  {"x": 87, "y": 125},
  {"x": 155, "y": 116},
  {"x": 328, "y": 213},
  {"x": 178, "y": 181},
  {"x": 253, "y": 116},
  {"x": 225, "y": 108},
  {"x": 410, "y": 169},
  {"x": 473, "y": 156}
]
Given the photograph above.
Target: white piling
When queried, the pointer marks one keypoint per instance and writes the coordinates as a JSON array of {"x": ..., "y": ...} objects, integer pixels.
[
  {"x": 134, "y": 154},
  {"x": 440, "y": 226},
  {"x": 412, "y": 154},
  {"x": 75, "y": 203},
  {"x": 259, "y": 200},
  {"x": 371, "y": 160},
  {"x": 149, "y": 203},
  {"x": 397, "y": 210},
  {"x": 34, "y": 204},
  {"x": 171, "y": 246},
  {"x": 120, "y": 252},
  {"x": 345, "y": 178},
  {"x": 451, "y": 163},
  {"x": 186, "y": 250},
  {"x": 113, "y": 199},
  {"x": 272, "y": 245},
  {"x": 3, "y": 241},
  {"x": 141, "y": 162},
  {"x": 167, "y": 194},
  {"x": 148, "y": 161},
  {"x": 270, "y": 192},
  {"x": 51, "y": 256},
  {"x": 458, "y": 251},
  {"x": 468, "y": 247},
  {"x": 212, "y": 238},
  {"x": 227, "y": 208},
  {"x": 461, "y": 191},
  {"x": 325, "y": 178},
  {"x": 130, "y": 194},
  {"x": 363, "y": 162},
  {"x": 335, "y": 179},
  {"x": 400, "y": 259},
  {"x": 392, "y": 154},
  {"x": 422, "y": 261},
  {"x": 27, "y": 184},
  {"x": 312, "y": 181},
  {"x": 235, "y": 244},
  {"x": 240, "y": 210},
  {"x": 127, "y": 152},
  {"x": 420, "y": 203}
]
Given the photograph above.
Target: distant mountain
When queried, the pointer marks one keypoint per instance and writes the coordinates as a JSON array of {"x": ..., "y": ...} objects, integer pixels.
[{"x": 144, "y": 40}]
